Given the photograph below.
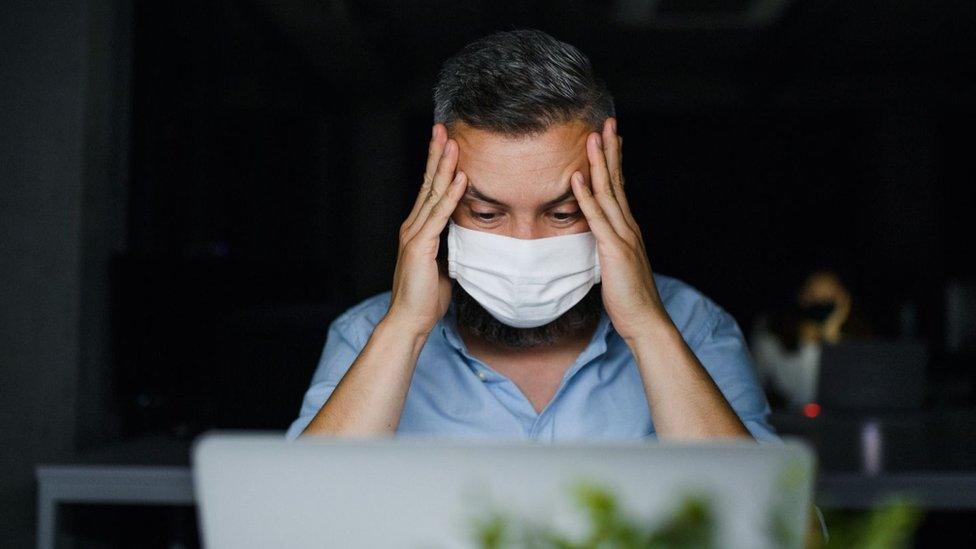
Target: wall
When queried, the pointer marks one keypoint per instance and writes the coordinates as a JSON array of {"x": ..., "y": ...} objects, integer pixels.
[{"x": 59, "y": 137}]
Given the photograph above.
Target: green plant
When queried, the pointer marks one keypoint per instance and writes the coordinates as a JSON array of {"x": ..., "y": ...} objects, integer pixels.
[
  {"x": 889, "y": 526},
  {"x": 691, "y": 525}
]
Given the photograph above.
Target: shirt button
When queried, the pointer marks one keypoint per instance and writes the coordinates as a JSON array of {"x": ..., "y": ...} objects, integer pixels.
[{"x": 481, "y": 375}]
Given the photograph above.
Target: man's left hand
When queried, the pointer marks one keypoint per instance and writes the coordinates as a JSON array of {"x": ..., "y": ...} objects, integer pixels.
[{"x": 629, "y": 293}]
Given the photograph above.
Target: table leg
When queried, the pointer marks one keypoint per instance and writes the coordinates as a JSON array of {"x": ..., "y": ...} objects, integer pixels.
[{"x": 47, "y": 520}]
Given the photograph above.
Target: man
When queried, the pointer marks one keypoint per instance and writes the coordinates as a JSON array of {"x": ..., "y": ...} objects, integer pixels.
[{"x": 546, "y": 320}]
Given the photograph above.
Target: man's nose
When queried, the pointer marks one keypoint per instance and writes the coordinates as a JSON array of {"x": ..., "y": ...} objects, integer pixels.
[{"x": 527, "y": 230}]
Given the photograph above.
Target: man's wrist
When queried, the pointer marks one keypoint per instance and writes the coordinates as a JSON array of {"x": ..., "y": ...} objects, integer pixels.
[
  {"x": 401, "y": 327},
  {"x": 656, "y": 330}
]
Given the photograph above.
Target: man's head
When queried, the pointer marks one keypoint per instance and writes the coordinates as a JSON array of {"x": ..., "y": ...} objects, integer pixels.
[{"x": 520, "y": 105}]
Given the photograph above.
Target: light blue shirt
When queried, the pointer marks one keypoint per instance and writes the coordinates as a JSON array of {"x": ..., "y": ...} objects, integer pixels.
[{"x": 601, "y": 396}]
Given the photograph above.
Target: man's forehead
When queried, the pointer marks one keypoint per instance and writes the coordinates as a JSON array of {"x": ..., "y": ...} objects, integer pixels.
[
  {"x": 491, "y": 159},
  {"x": 560, "y": 140}
]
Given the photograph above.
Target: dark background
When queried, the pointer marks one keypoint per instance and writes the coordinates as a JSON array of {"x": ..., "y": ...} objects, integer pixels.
[
  {"x": 193, "y": 190},
  {"x": 274, "y": 154}
]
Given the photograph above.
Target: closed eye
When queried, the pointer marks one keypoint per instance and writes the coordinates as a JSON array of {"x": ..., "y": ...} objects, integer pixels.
[
  {"x": 485, "y": 218},
  {"x": 564, "y": 217}
]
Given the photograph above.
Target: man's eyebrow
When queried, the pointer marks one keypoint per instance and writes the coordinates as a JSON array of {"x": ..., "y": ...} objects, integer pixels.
[
  {"x": 558, "y": 199},
  {"x": 473, "y": 192}
]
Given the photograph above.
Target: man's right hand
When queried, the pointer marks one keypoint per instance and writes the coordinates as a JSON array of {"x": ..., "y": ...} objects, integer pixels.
[{"x": 421, "y": 290}]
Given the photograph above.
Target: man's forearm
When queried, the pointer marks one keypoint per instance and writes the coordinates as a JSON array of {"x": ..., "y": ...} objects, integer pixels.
[
  {"x": 684, "y": 400},
  {"x": 369, "y": 398}
]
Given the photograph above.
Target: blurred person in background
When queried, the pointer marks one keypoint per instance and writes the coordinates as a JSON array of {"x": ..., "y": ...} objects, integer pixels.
[{"x": 788, "y": 342}]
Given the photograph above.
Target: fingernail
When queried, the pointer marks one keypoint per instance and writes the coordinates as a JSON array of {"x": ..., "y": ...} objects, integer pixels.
[
  {"x": 613, "y": 125},
  {"x": 457, "y": 178},
  {"x": 433, "y": 131},
  {"x": 599, "y": 141},
  {"x": 578, "y": 178}
]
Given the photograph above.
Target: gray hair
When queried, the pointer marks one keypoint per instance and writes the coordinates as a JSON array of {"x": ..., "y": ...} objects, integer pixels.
[{"x": 519, "y": 83}]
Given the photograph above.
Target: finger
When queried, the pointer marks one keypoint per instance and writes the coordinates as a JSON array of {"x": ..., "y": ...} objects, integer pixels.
[
  {"x": 613, "y": 145},
  {"x": 595, "y": 216},
  {"x": 599, "y": 174},
  {"x": 600, "y": 183},
  {"x": 611, "y": 149},
  {"x": 435, "y": 150},
  {"x": 442, "y": 210},
  {"x": 442, "y": 178}
]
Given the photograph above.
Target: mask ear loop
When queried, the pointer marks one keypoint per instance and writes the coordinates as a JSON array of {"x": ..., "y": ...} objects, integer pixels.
[{"x": 598, "y": 268}]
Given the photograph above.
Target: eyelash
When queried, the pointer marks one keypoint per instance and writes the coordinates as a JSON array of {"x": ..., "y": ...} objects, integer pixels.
[
  {"x": 570, "y": 216},
  {"x": 481, "y": 216}
]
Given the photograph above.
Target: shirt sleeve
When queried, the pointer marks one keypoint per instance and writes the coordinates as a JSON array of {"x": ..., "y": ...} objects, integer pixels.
[
  {"x": 721, "y": 348},
  {"x": 341, "y": 350}
]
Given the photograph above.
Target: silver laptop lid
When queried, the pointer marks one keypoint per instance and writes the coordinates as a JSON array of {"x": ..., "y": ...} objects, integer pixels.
[{"x": 265, "y": 491}]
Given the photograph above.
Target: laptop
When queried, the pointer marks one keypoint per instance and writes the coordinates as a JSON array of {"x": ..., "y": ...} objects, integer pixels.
[
  {"x": 261, "y": 490},
  {"x": 872, "y": 375}
]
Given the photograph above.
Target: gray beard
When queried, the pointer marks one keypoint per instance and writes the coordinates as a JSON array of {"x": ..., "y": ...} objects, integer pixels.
[{"x": 478, "y": 321}]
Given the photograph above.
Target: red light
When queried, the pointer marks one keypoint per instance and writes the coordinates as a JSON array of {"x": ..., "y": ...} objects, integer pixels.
[{"x": 811, "y": 410}]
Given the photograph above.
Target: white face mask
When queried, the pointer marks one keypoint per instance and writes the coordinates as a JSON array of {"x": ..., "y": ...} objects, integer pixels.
[{"x": 523, "y": 283}]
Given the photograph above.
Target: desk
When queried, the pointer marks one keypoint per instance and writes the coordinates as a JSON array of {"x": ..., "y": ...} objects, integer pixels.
[
  {"x": 147, "y": 471},
  {"x": 862, "y": 460}
]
